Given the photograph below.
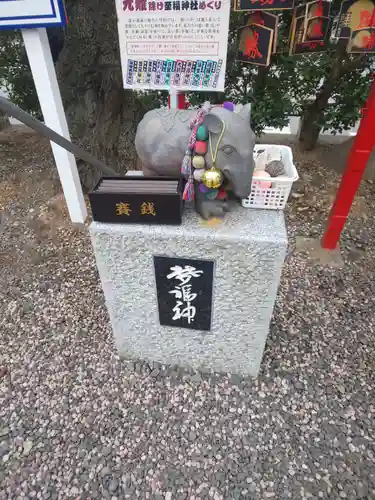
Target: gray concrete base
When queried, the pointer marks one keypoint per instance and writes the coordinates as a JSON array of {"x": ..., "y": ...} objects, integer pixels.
[{"x": 248, "y": 248}]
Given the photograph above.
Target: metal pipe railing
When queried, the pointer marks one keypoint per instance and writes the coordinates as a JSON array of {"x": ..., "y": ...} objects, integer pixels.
[{"x": 12, "y": 110}]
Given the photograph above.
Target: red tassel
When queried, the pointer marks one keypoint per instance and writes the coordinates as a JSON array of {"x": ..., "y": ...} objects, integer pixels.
[{"x": 188, "y": 194}]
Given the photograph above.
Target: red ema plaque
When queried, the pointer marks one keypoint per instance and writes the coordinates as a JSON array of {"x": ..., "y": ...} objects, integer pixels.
[
  {"x": 362, "y": 41},
  {"x": 263, "y": 18},
  {"x": 355, "y": 15},
  {"x": 298, "y": 42},
  {"x": 310, "y": 28},
  {"x": 256, "y": 44}
]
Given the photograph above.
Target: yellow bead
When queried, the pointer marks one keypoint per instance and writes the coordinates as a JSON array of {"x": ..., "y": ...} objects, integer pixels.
[
  {"x": 198, "y": 162},
  {"x": 212, "y": 178}
]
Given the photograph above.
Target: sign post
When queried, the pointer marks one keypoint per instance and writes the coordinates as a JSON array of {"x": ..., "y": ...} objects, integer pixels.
[
  {"x": 33, "y": 17},
  {"x": 173, "y": 99}
]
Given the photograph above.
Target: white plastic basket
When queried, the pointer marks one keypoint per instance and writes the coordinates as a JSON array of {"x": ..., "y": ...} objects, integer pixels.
[{"x": 276, "y": 196}]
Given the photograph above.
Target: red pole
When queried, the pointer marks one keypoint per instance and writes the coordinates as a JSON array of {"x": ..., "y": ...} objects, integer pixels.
[{"x": 355, "y": 167}]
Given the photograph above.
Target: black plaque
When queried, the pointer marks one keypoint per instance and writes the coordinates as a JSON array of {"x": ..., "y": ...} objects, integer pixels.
[
  {"x": 255, "y": 45},
  {"x": 184, "y": 292}
]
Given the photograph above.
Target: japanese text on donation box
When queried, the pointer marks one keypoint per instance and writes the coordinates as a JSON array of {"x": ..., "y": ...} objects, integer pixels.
[{"x": 179, "y": 44}]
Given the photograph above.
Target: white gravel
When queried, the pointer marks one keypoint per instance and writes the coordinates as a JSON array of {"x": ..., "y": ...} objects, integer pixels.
[{"x": 76, "y": 422}]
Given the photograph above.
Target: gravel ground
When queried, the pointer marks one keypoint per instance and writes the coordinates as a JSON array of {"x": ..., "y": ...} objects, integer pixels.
[{"x": 76, "y": 422}]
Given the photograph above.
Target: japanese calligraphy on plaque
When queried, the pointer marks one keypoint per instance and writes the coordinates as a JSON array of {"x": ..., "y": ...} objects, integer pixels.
[
  {"x": 318, "y": 8},
  {"x": 355, "y": 15},
  {"x": 145, "y": 208},
  {"x": 179, "y": 44},
  {"x": 317, "y": 21},
  {"x": 316, "y": 29},
  {"x": 362, "y": 41},
  {"x": 256, "y": 45},
  {"x": 310, "y": 28},
  {"x": 298, "y": 45},
  {"x": 263, "y": 4},
  {"x": 263, "y": 18},
  {"x": 184, "y": 292}
]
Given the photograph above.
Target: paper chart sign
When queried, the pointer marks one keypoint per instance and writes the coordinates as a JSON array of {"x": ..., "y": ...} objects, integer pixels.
[
  {"x": 31, "y": 13},
  {"x": 179, "y": 44}
]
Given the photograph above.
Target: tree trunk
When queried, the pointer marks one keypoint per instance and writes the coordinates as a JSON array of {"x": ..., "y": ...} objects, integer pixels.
[
  {"x": 309, "y": 134},
  {"x": 310, "y": 129},
  {"x": 102, "y": 116},
  {"x": 340, "y": 67},
  {"x": 4, "y": 121}
]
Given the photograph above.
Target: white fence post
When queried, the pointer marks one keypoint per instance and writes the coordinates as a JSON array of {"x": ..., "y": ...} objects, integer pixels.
[{"x": 44, "y": 74}]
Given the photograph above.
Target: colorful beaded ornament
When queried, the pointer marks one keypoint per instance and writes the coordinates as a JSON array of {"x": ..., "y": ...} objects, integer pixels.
[{"x": 194, "y": 163}]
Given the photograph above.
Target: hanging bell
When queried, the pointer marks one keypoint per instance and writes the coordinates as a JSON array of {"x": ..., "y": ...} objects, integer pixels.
[{"x": 212, "y": 178}]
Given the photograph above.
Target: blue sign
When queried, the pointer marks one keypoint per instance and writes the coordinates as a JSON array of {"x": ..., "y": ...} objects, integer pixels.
[{"x": 31, "y": 13}]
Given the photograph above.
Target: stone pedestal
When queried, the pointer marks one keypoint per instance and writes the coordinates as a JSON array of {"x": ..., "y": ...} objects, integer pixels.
[{"x": 248, "y": 251}]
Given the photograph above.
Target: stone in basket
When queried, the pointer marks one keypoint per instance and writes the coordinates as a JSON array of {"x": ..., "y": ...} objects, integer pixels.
[{"x": 273, "y": 177}]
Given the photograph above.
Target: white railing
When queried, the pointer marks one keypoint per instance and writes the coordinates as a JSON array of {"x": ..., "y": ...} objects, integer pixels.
[{"x": 291, "y": 132}]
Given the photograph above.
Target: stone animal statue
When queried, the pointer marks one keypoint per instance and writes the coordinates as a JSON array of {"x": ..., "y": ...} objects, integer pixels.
[{"x": 162, "y": 141}]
